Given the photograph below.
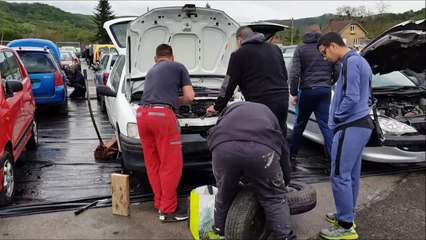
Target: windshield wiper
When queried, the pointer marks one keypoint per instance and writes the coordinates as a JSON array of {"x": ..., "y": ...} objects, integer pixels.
[{"x": 393, "y": 88}]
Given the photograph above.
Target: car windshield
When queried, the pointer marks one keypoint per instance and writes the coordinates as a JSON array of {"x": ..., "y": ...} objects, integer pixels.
[
  {"x": 395, "y": 78},
  {"x": 65, "y": 56},
  {"x": 37, "y": 62}
]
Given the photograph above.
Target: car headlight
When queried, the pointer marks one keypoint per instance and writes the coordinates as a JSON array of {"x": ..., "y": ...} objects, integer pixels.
[
  {"x": 132, "y": 130},
  {"x": 393, "y": 127}
]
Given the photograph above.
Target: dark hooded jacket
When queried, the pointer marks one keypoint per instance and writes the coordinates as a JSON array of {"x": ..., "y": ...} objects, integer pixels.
[
  {"x": 308, "y": 68},
  {"x": 259, "y": 70}
]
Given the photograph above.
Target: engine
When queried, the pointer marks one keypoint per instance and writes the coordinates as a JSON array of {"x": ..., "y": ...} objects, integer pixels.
[
  {"x": 196, "y": 109},
  {"x": 408, "y": 110}
]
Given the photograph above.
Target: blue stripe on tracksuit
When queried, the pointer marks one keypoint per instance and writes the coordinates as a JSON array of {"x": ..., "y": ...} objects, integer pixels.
[
  {"x": 346, "y": 169},
  {"x": 316, "y": 100}
]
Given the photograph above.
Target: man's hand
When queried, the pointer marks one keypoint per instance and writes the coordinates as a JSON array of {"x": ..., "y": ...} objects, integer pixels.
[
  {"x": 210, "y": 109},
  {"x": 294, "y": 100}
]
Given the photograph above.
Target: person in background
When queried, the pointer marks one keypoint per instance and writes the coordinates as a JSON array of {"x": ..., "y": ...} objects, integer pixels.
[
  {"x": 76, "y": 80},
  {"x": 310, "y": 89},
  {"x": 352, "y": 126},
  {"x": 258, "y": 68},
  {"x": 159, "y": 131},
  {"x": 247, "y": 141}
]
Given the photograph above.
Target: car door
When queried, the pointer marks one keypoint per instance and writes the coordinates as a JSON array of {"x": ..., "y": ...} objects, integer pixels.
[
  {"x": 16, "y": 117},
  {"x": 114, "y": 83}
]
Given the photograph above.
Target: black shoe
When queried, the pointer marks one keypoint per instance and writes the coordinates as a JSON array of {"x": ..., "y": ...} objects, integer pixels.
[
  {"x": 179, "y": 215},
  {"x": 292, "y": 158}
]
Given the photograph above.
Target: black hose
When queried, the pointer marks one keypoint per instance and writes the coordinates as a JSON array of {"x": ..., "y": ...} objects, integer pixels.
[{"x": 90, "y": 107}]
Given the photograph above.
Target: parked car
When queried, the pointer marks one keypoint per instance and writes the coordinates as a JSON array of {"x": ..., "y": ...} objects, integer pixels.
[
  {"x": 100, "y": 49},
  {"x": 42, "y": 60},
  {"x": 401, "y": 103},
  {"x": 288, "y": 52},
  {"x": 69, "y": 58},
  {"x": 18, "y": 128},
  {"x": 103, "y": 68},
  {"x": 70, "y": 48},
  {"x": 203, "y": 44}
]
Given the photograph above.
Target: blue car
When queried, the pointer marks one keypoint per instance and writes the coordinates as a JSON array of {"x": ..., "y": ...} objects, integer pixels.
[{"x": 42, "y": 59}]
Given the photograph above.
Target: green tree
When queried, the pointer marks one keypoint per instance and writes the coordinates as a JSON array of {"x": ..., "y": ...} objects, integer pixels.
[{"x": 102, "y": 14}]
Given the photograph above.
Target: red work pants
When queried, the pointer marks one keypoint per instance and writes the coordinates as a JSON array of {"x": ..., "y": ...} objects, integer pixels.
[{"x": 162, "y": 151}]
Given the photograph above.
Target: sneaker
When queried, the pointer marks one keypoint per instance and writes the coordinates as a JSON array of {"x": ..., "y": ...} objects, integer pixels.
[
  {"x": 332, "y": 218},
  {"x": 179, "y": 215},
  {"x": 338, "y": 232},
  {"x": 211, "y": 235}
]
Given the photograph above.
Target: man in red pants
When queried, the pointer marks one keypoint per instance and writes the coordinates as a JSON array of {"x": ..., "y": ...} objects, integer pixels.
[{"x": 159, "y": 133}]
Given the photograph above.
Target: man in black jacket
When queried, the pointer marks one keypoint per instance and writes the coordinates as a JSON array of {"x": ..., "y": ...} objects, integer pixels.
[
  {"x": 77, "y": 81},
  {"x": 253, "y": 149},
  {"x": 259, "y": 70},
  {"x": 310, "y": 88}
]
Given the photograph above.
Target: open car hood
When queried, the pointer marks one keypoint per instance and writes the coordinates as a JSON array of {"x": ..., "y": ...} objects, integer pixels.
[
  {"x": 401, "y": 47},
  {"x": 202, "y": 38}
]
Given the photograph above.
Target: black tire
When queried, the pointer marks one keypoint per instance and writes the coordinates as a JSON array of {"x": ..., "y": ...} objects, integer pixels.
[
  {"x": 8, "y": 189},
  {"x": 33, "y": 141},
  {"x": 102, "y": 104},
  {"x": 63, "y": 108},
  {"x": 246, "y": 219}
]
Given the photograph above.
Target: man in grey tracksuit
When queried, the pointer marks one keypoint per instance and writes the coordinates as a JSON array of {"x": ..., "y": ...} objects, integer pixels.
[
  {"x": 310, "y": 90},
  {"x": 349, "y": 119},
  {"x": 247, "y": 141}
]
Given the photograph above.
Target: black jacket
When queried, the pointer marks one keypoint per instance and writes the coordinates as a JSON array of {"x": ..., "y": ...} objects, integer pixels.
[
  {"x": 78, "y": 78},
  {"x": 309, "y": 69},
  {"x": 257, "y": 68},
  {"x": 251, "y": 122}
]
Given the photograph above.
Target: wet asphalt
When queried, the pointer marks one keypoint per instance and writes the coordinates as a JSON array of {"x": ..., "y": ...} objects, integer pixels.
[{"x": 63, "y": 167}]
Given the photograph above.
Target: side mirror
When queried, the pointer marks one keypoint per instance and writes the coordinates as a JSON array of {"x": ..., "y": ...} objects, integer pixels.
[
  {"x": 13, "y": 86},
  {"x": 105, "y": 91}
]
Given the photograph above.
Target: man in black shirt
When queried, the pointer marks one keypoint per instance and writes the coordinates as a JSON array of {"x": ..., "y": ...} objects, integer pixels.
[
  {"x": 258, "y": 68},
  {"x": 247, "y": 141},
  {"x": 76, "y": 80}
]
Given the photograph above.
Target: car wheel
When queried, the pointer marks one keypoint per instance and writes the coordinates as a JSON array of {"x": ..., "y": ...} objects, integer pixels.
[
  {"x": 8, "y": 181},
  {"x": 32, "y": 143},
  {"x": 246, "y": 218},
  {"x": 102, "y": 104},
  {"x": 63, "y": 108}
]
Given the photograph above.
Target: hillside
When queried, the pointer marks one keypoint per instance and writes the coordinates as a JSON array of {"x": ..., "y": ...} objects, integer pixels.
[
  {"x": 374, "y": 24},
  {"x": 19, "y": 20}
]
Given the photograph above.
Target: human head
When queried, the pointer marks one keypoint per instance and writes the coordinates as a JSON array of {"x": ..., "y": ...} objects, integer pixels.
[
  {"x": 332, "y": 46},
  {"x": 164, "y": 52},
  {"x": 242, "y": 34},
  {"x": 313, "y": 28},
  {"x": 74, "y": 68}
]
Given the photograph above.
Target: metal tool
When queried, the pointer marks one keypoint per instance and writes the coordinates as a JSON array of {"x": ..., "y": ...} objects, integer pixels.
[{"x": 92, "y": 204}]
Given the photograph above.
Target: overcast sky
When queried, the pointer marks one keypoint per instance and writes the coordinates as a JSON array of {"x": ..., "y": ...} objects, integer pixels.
[{"x": 241, "y": 11}]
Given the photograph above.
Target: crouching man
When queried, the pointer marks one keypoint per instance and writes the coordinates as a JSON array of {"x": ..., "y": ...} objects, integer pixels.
[{"x": 247, "y": 141}]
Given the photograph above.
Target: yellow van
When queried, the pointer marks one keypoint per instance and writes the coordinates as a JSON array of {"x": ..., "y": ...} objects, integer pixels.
[{"x": 99, "y": 49}]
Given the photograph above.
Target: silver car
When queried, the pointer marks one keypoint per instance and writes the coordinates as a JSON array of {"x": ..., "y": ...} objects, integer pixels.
[{"x": 401, "y": 104}]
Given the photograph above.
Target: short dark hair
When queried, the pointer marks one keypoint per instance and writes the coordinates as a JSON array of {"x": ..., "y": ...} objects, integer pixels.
[
  {"x": 244, "y": 31},
  {"x": 330, "y": 37},
  {"x": 164, "y": 50}
]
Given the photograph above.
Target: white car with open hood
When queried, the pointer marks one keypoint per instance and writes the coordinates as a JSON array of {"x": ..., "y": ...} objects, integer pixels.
[{"x": 203, "y": 40}]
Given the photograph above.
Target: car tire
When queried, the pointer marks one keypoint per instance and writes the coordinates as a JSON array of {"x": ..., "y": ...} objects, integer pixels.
[
  {"x": 102, "y": 104},
  {"x": 246, "y": 219},
  {"x": 63, "y": 108},
  {"x": 8, "y": 189},
  {"x": 33, "y": 141}
]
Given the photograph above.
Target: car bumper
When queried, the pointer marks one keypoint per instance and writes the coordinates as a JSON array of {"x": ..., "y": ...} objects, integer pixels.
[
  {"x": 57, "y": 98},
  {"x": 196, "y": 154},
  {"x": 387, "y": 154}
]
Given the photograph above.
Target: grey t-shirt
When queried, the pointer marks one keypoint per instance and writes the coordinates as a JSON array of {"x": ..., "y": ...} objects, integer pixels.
[{"x": 163, "y": 81}]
